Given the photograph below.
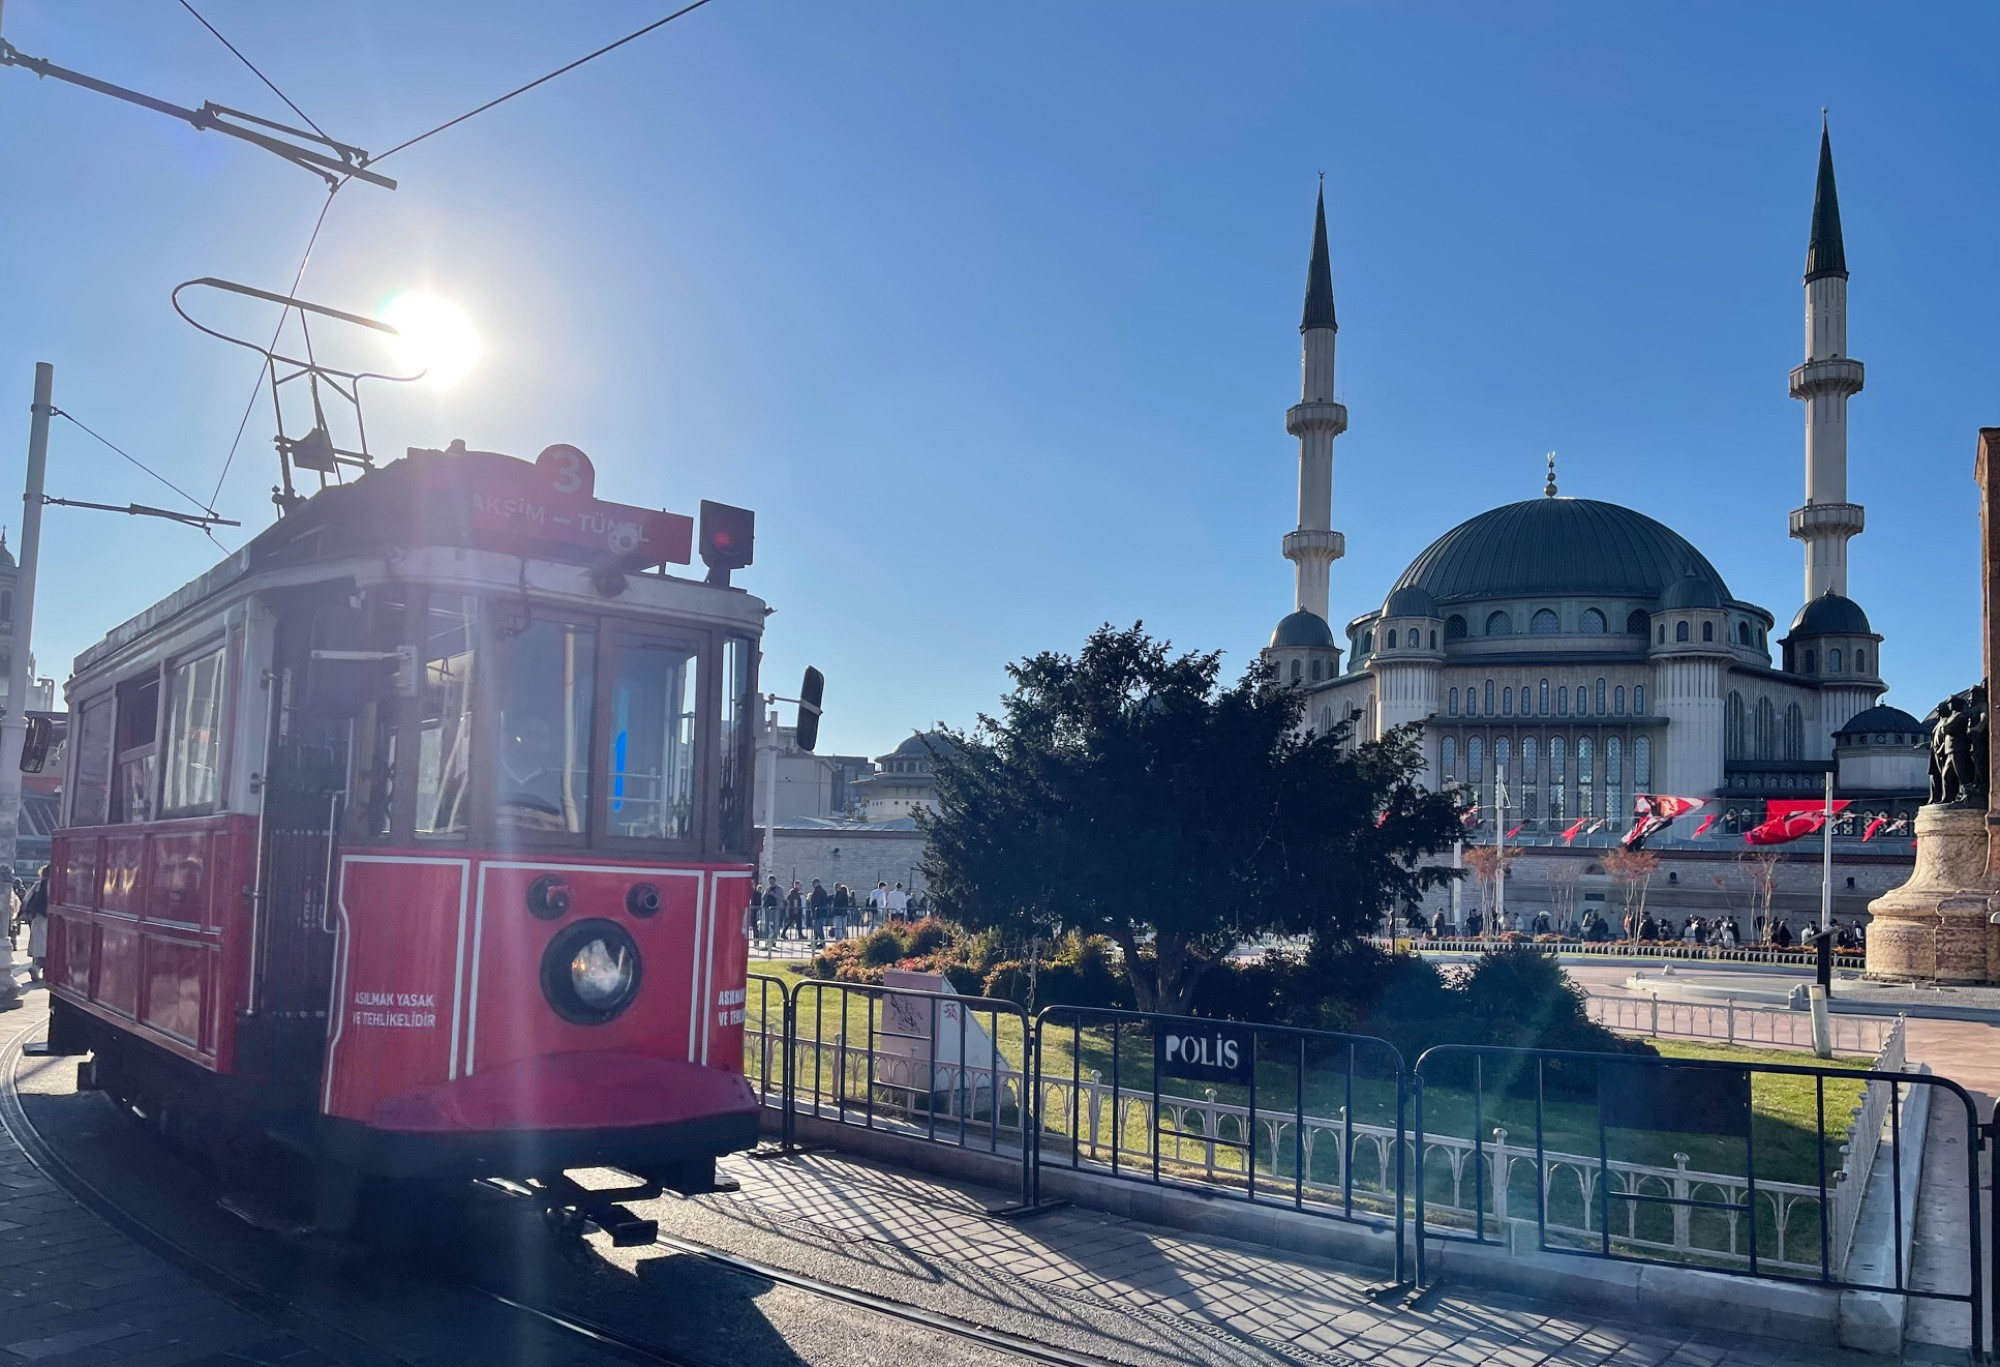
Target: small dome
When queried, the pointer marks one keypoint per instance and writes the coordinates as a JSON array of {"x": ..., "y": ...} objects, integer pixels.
[
  {"x": 1411, "y": 600},
  {"x": 922, "y": 746},
  {"x": 1883, "y": 718},
  {"x": 1831, "y": 615},
  {"x": 6, "y": 556},
  {"x": 1302, "y": 628},
  {"x": 1690, "y": 591}
]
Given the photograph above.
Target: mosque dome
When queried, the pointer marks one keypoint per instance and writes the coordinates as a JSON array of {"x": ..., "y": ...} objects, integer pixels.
[
  {"x": 1690, "y": 591},
  {"x": 1558, "y": 546},
  {"x": 1830, "y": 614},
  {"x": 1412, "y": 600},
  {"x": 1887, "y": 720},
  {"x": 1302, "y": 628}
]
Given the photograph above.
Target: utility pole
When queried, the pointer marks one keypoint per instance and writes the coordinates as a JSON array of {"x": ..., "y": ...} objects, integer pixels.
[
  {"x": 1499, "y": 917},
  {"x": 14, "y": 726},
  {"x": 1826, "y": 861},
  {"x": 770, "y": 846}
]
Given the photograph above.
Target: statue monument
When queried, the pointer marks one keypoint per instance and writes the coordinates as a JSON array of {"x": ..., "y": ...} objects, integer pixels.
[{"x": 1944, "y": 924}]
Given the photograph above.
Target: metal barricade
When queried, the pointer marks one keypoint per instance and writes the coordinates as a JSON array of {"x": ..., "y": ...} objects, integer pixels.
[
  {"x": 1730, "y": 1189},
  {"x": 767, "y": 1046},
  {"x": 1265, "y": 1113},
  {"x": 926, "y": 1065}
]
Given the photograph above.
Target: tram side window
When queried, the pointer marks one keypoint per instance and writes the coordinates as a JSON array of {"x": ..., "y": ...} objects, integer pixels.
[
  {"x": 651, "y": 739},
  {"x": 90, "y": 786},
  {"x": 382, "y": 722},
  {"x": 739, "y": 744},
  {"x": 549, "y": 686},
  {"x": 138, "y": 725},
  {"x": 192, "y": 782},
  {"x": 444, "y": 718}
]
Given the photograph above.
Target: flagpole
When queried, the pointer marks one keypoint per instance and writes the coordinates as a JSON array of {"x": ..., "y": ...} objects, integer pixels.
[
  {"x": 1826, "y": 861},
  {"x": 1499, "y": 850}
]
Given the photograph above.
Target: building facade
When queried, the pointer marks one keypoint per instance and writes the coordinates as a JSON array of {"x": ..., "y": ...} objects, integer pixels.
[{"x": 1565, "y": 654}]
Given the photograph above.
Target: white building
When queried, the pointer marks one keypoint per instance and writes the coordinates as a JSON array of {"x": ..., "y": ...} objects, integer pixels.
[{"x": 1583, "y": 651}]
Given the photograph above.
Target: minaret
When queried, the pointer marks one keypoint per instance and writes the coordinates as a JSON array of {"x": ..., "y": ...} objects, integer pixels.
[
  {"x": 1824, "y": 382},
  {"x": 1316, "y": 420}
]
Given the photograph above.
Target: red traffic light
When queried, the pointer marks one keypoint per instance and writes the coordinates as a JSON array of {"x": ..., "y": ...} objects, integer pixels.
[{"x": 728, "y": 539}]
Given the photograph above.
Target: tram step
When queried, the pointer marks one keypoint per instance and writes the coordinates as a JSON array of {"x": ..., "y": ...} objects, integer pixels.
[{"x": 626, "y": 1229}]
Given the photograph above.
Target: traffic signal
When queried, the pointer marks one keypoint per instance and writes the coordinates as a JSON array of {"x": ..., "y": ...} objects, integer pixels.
[
  {"x": 728, "y": 539},
  {"x": 811, "y": 690}
]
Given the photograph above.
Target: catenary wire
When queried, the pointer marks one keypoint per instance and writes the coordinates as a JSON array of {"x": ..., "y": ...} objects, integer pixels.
[
  {"x": 258, "y": 387},
  {"x": 540, "y": 80},
  {"x": 134, "y": 460},
  {"x": 253, "y": 68}
]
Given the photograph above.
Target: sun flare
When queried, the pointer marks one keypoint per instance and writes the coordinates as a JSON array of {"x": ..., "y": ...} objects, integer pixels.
[{"x": 435, "y": 337}]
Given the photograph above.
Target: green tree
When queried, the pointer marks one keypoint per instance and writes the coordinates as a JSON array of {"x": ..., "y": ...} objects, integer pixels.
[{"x": 1124, "y": 792}]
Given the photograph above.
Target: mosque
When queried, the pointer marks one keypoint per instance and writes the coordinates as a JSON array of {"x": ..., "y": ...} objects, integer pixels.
[{"x": 1575, "y": 652}]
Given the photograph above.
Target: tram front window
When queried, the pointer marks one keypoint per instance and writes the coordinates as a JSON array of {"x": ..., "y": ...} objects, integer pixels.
[
  {"x": 444, "y": 721},
  {"x": 650, "y": 736},
  {"x": 543, "y": 782}
]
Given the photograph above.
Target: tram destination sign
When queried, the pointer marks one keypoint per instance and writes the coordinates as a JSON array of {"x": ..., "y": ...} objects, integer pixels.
[
  {"x": 1204, "y": 1051},
  {"x": 508, "y": 504}
]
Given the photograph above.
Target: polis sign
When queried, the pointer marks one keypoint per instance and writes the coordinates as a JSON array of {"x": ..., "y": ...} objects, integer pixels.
[{"x": 1204, "y": 1051}]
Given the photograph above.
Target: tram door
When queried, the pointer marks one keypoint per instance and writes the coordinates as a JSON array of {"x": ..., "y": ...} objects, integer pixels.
[{"x": 306, "y": 788}]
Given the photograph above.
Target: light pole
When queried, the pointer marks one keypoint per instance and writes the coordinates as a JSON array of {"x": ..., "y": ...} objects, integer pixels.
[{"x": 14, "y": 726}]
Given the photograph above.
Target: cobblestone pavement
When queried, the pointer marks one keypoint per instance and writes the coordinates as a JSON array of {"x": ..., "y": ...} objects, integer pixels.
[{"x": 1193, "y": 1298}]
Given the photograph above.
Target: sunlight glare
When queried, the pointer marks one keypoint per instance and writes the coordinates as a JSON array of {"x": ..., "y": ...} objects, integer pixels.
[{"x": 437, "y": 338}]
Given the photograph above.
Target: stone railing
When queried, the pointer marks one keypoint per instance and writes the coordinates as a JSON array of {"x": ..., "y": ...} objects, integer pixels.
[{"x": 1736, "y": 1023}]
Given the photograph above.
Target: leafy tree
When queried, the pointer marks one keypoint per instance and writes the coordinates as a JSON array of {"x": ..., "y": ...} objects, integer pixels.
[{"x": 1124, "y": 792}]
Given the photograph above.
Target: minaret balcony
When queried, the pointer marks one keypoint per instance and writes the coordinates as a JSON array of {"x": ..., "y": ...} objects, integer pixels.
[
  {"x": 1302, "y": 418},
  {"x": 1838, "y": 376},
  {"x": 1311, "y": 545},
  {"x": 1827, "y": 519}
]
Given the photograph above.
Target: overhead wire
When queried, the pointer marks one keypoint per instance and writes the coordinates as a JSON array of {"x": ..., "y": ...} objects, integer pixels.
[
  {"x": 253, "y": 68},
  {"x": 140, "y": 464},
  {"x": 539, "y": 80}
]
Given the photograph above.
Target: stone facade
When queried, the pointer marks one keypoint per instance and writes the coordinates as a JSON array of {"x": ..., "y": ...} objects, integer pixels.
[
  {"x": 1934, "y": 928},
  {"x": 857, "y": 854}
]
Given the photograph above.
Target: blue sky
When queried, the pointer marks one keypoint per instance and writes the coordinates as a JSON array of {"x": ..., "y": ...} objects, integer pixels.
[{"x": 990, "y": 311}]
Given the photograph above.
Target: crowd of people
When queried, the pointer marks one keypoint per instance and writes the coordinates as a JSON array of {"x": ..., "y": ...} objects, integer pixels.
[
  {"x": 1722, "y": 932},
  {"x": 819, "y": 914}
]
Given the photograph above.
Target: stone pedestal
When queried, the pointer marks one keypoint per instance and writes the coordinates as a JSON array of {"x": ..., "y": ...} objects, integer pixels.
[{"x": 1934, "y": 928}]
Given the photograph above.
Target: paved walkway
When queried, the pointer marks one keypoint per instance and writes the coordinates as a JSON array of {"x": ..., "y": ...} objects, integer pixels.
[{"x": 917, "y": 1238}]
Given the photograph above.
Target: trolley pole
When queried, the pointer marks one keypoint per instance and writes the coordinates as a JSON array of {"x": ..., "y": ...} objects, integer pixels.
[{"x": 14, "y": 726}]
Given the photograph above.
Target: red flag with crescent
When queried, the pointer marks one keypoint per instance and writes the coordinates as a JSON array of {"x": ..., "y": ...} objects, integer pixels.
[
  {"x": 1706, "y": 822},
  {"x": 1873, "y": 826},
  {"x": 1786, "y": 820},
  {"x": 1571, "y": 833}
]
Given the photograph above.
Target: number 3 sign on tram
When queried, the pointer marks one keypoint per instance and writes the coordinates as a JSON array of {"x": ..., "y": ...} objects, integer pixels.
[{"x": 1204, "y": 1051}]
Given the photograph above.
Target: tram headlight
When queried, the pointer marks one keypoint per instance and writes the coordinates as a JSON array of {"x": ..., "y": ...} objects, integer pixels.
[{"x": 591, "y": 972}]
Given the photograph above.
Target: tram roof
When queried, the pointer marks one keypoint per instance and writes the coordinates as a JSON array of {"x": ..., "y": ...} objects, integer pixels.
[{"x": 545, "y": 509}]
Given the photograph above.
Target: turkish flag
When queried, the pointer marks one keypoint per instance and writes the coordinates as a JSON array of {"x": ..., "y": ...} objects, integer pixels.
[
  {"x": 1706, "y": 822},
  {"x": 1570, "y": 834},
  {"x": 1877, "y": 824},
  {"x": 1787, "y": 820},
  {"x": 1655, "y": 812},
  {"x": 1516, "y": 831}
]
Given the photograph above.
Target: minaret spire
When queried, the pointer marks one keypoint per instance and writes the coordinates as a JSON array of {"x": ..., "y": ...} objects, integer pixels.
[
  {"x": 1824, "y": 383},
  {"x": 1316, "y": 420}
]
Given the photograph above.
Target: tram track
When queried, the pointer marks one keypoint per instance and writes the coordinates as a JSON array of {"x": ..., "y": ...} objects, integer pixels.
[{"x": 270, "y": 1306}]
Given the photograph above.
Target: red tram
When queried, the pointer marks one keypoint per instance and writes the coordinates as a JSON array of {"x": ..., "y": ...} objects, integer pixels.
[{"x": 417, "y": 834}]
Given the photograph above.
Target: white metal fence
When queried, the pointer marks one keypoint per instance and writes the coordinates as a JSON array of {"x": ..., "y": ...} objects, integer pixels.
[{"x": 1738, "y": 1023}]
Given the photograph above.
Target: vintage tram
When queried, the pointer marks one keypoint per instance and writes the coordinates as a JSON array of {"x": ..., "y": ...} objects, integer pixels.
[{"x": 417, "y": 834}]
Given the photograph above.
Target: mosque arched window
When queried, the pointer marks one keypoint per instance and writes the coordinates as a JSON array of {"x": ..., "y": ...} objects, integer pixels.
[
  {"x": 1833, "y": 660},
  {"x": 1367, "y": 642},
  {"x": 1732, "y": 726},
  {"x": 1599, "y": 708},
  {"x": 1451, "y": 705},
  {"x": 1489, "y": 697},
  {"x": 1763, "y": 729},
  {"x": 1528, "y": 758},
  {"x": 1544, "y": 623},
  {"x": 1708, "y": 631},
  {"x": 1298, "y": 670},
  {"x": 1392, "y": 638},
  {"x": 1642, "y": 763},
  {"x": 1860, "y": 662},
  {"x": 1760, "y": 639},
  {"x": 1507, "y": 702},
  {"x": 1663, "y": 633},
  {"x": 1448, "y": 758},
  {"x": 1325, "y": 720},
  {"x": 1614, "y": 777},
  {"x": 1639, "y": 700},
  {"x": 1499, "y": 624},
  {"x": 1795, "y": 733},
  {"x": 1454, "y": 628},
  {"x": 1812, "y": 664},
  {"x": 1562, "y": 701},
  {"x": 1557, "y": 758},
  {"x": 1680, "y": 631},
  {"x": 1317, "y": 668},
  {"x": 1743, "y": 633},
  {"x": 1434, "y": 639},
  {"x": 1635, "y": 622},
  {"x": 1618, "y": 700},
  {"x": 1591, "y": 623},
  {"x": 1475, "y": 759},
  {"x": 1502, "y": 754},
  {"x": 1544, "y": 708}
]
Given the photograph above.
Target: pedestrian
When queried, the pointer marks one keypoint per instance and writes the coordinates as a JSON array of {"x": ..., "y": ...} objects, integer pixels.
[
  {"x": 843, "y": 909},
  {"x": 878, "y": 905},
  {"x": 35, "y": 911},
  {"x": 773, "y": 909},
  {"x": 795, "y": 909},
  {"x": 11, "y": 904},
  {"x": 1782, "y": 936},
  {"x": 819, "y": 901},
  {"x": 899, "y": 904},
  {"x": 1437, "y": 925}
]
